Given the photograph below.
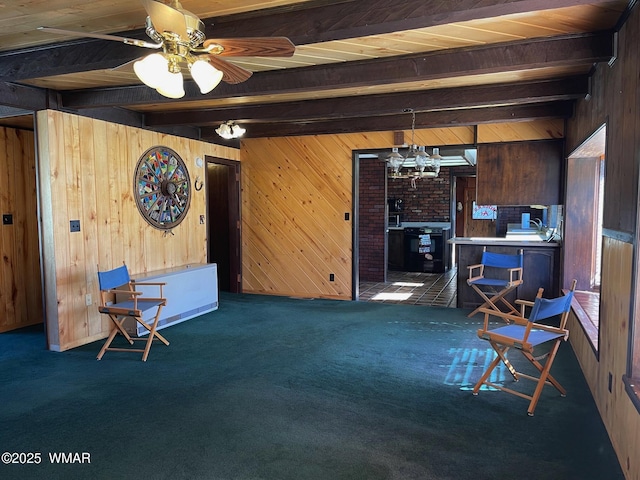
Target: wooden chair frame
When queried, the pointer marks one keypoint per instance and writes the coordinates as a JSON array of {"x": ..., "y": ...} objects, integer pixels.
[
  {"x": 123, "y": 300},
  {"x": 492, "y": 290},
  {"x": 518, "y": 335}
]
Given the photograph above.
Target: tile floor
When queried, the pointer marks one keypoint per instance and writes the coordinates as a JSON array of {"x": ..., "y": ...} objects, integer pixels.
[{"x": 435, "y": 289}]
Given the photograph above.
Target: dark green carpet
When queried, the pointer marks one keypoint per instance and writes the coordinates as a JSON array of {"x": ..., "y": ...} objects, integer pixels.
[{"x": 277, "y": 388}]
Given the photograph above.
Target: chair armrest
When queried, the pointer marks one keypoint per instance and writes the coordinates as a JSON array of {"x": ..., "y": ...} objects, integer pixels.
[
  {"x": 471, "y": 268},
  {"x": 147, "y": 284},
  {"x": 124, "y": 292},
  {"x": 515, "y": 272},
  {"x": 510, "y": 317},
  {"x": 551, "y": 328},
  {"x": 523, "y": 305},
  {"x": 527, "y": 303}
]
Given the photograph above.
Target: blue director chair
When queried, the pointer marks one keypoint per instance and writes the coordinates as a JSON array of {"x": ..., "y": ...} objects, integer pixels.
[
  {"x": 494, "y": 277},
  {"x": 119, "y": 300},
  {"x": 524, "y": 335}
]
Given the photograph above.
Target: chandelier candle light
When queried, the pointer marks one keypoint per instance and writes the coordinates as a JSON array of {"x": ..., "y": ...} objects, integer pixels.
[{"x": 426, "y": 165}]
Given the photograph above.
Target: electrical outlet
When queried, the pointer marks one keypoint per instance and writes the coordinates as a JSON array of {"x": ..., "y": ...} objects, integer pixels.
[
  {"x": 7, "y": 219},
  {"x": 87, "y": 300},
  {"x": 74, "y": 225},
  {"x": 332, "y": 277}
]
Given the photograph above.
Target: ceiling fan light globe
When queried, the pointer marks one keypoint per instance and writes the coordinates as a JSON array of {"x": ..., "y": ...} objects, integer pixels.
[
  {"x": 172, "y": 86},
  {"x": 205, "y": 75},
  {"x": 152, "y": 69}
]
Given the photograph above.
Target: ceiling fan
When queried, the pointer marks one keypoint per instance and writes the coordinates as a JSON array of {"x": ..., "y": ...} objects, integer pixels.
[{"x": 180, "y": 35}]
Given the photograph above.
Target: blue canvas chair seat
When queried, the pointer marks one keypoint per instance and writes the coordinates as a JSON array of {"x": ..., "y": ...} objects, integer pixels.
[
  {"x": 505, "y": 276},
  {"x": 119, "y": 300},
  {"x": 524, "y": 335}
]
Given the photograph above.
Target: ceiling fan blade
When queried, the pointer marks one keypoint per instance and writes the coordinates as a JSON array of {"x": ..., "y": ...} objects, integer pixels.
[
  {"x": 128, "y": 41},
  {"x": 165, "y": 18},
  {"x": 126, "y": 67},
  {"x": 254, "y": 46},
  {"x": 231, "y": 73}
]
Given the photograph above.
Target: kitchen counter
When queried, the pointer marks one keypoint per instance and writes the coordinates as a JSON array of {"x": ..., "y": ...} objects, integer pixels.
[
  {"x": 501, "y": 241},
  {"x": 541, "y": 266},
  {"x": 404, "y": 225}
]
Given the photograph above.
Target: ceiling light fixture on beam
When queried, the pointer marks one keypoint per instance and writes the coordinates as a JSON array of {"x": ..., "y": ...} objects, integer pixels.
[{"x": 230, "y": 130}]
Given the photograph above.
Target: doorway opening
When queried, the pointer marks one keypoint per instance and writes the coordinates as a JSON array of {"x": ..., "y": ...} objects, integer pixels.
[{"x": 223, "y": 227}]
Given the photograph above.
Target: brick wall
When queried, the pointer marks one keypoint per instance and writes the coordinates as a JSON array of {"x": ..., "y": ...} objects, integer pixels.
[
  {"x": 372, "y": 200},
  {"x": 430, "y": 199}
]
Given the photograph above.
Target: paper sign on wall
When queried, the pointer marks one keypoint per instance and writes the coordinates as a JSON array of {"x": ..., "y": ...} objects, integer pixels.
[{"x": 484, "y": 212}]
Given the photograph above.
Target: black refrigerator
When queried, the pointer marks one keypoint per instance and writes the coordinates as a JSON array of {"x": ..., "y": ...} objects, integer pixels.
[{"x": 427, "y": 249}]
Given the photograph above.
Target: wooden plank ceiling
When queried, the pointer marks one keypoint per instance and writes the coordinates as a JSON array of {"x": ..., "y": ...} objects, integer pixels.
[{"x": 358, "y": 63}]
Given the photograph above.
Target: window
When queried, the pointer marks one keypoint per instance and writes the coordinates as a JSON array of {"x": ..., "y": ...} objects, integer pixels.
[{"x": 583, "y": 228}]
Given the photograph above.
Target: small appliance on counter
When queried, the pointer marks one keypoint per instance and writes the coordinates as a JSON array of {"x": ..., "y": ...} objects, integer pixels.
[
  {"x": 395, "y": 207},
  {"x": 427, "y": 249}
]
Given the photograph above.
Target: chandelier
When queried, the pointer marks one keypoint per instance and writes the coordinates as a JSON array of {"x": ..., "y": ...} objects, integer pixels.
[
  {"x": 230, "y": 130},
  {"x": 417, "y": 161}
]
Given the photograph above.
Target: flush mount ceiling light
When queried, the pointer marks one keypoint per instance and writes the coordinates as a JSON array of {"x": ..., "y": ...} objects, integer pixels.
[
  {"x": 229, "y": 130},
  {"x": 417, "y": 157},
  {"x": 185, "y": 50}
]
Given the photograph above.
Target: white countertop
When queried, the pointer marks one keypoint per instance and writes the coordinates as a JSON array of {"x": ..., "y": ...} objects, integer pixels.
[
  {"x": 404, "y": 225},
  {"x": 502, "y": 241}
]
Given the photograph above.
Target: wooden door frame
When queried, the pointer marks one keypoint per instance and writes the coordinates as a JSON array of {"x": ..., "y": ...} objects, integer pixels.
[{"x": 235, "y": 219}]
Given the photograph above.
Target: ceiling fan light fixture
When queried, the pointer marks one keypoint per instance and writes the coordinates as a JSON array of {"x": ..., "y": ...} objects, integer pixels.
[
  {"x": 205, "y": 75},
  {"x": 152, "y": 69},
  {"x": 172, "y": 85}
]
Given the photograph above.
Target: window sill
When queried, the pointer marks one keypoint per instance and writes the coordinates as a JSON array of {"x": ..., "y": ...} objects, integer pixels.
[{"x": 586, "y": 306}]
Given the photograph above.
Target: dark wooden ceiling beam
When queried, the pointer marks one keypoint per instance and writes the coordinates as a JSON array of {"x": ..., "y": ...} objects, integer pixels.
[
  {"x": 558, "y": 51},
  {"x": 69, "y": 57},
  {"x": 304, "y": 25},
  {"x": 23, "y": 97},
  {"x": 472, "y": 116},
  {"x": 373, "y": 105},
  {"x": 307, "y": 23}
]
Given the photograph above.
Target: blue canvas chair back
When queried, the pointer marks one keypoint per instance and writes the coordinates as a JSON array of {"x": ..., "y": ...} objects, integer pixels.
[
  {"x": 113, "y": 278},
  {"x": 550, "y": 307},
  {"x": 501, "y": 260}
]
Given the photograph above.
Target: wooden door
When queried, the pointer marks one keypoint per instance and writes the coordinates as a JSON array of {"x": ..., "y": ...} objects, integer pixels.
[
  {"x": 20, "y": 279},
  {"x": 223, "y": 205}
]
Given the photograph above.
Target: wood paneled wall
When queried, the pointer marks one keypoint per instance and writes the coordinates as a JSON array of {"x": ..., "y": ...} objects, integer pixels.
[
  {"x": 20, "y": 279},
  {"x": 615, "y": 101},
  {"x": 295, "y": 193},
  {"x": 86, "y": 173},
  {"x": 618, "y": 413},
  {"x": 520, "y": 173}
]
